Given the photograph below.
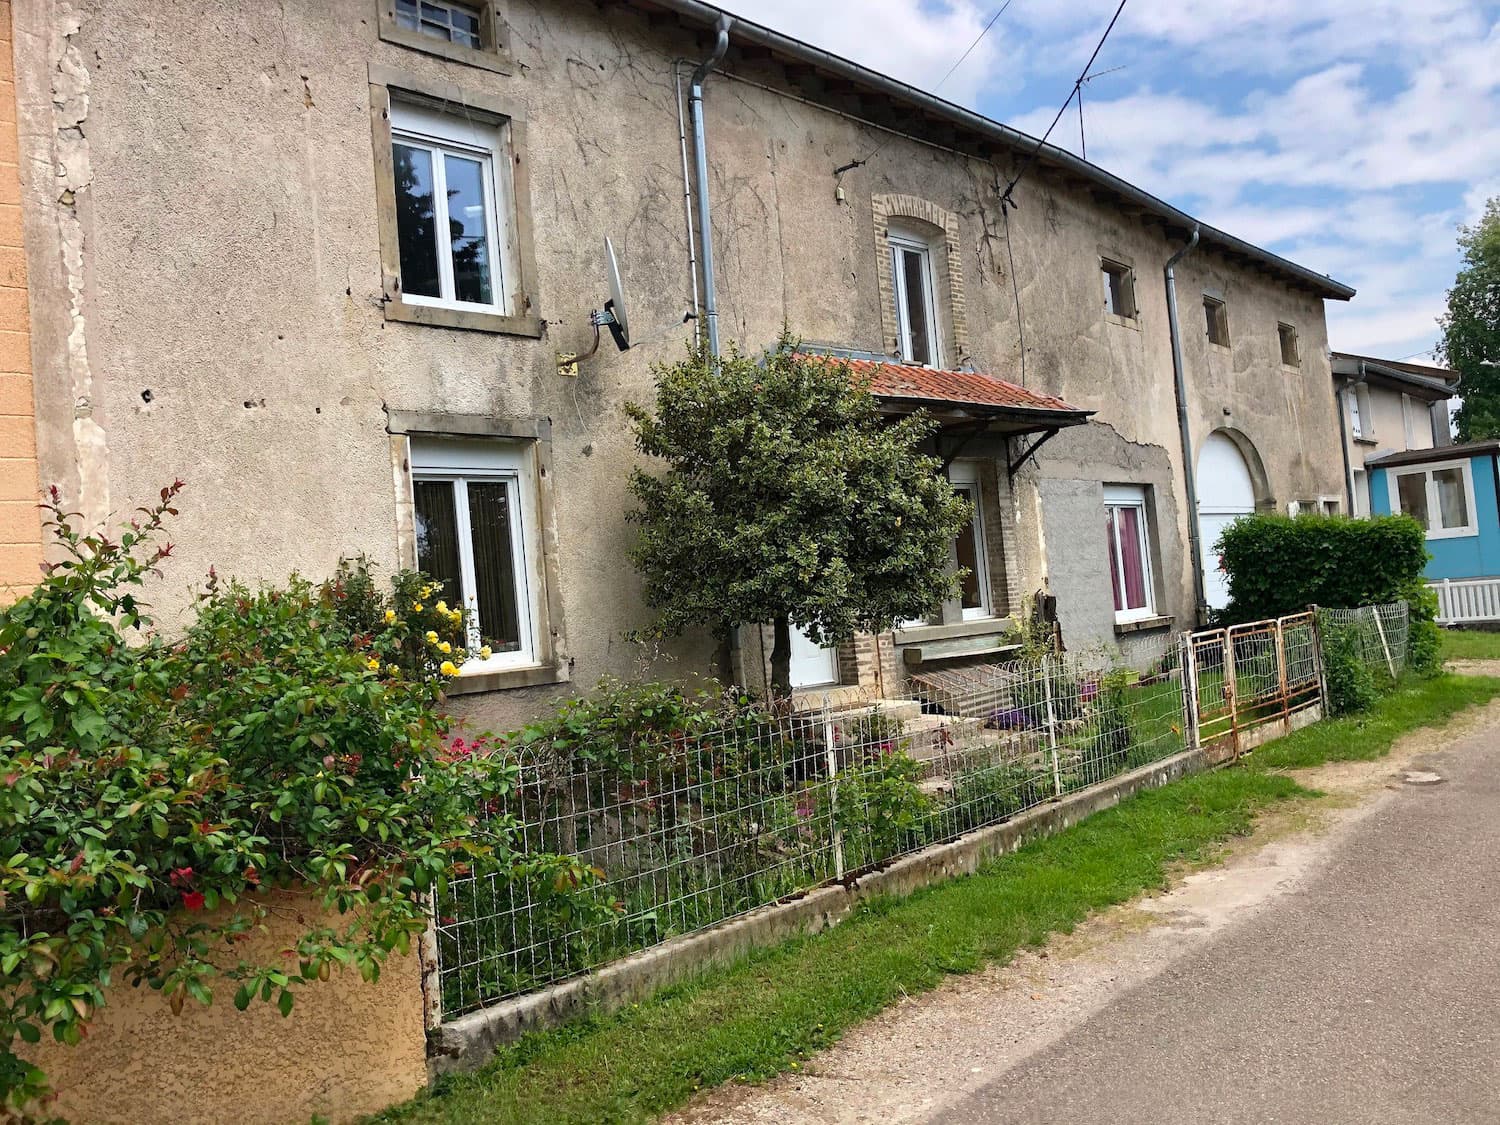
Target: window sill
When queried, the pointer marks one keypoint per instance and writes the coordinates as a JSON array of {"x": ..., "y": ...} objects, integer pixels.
[
  {"x": 435, "y": 317},
  {"x": 535, "y": 675},
  {"x": 1363, "y": 440},
  {"x": 1225, "y": 348},
  {"x": 1132, "y": 322},
  {"x": 485, "y": 58},
  {"x": 917, "y": 634},
  {"x": 1143, "y": 625}
]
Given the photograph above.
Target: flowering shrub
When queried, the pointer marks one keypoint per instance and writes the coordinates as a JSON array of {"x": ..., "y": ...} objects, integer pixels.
[{"x": 152, "y": 789}]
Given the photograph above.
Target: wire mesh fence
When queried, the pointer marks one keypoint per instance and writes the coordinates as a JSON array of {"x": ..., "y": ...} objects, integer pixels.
[
  {"x": 670, "y": 832},
  {"x": 1377, "y": 636}
]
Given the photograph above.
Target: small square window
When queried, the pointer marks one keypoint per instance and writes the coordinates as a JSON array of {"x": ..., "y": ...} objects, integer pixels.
[
  {"x": 455, "y": 23},
  {"x": 1119, "y": 289},
  {"x": 1287, "y": 336},
  {"x": 1216, "y": 317},
  {"x": 466, "y": 31}
]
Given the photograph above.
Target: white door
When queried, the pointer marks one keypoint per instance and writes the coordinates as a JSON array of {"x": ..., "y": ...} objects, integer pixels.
[
  {"x": 812, "y": 664},
  {"x": 1225, "y": 493}
]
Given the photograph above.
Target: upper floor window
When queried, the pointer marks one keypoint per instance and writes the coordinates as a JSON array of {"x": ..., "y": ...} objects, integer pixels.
[
  {"x": 450, "y": 225},
  {"x": 474, "y": 536},
  {"x": 1216, "y": 317},
  {"x": 916, "y": 307},
  {"x": 1361, "y": 420},
  {"x": 1287, "y": 338},
  {"x": 455, "y": 23},
  {"x": 1119, "y": 289}
]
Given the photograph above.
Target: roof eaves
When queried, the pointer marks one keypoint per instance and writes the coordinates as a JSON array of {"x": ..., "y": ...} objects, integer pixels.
[{"x": 759, "y": 34}]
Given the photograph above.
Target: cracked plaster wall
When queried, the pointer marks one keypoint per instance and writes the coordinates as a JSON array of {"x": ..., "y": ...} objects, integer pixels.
[{"x": 202, "y": 225}]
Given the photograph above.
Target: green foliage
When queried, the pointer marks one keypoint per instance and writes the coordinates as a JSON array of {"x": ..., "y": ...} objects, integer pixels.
[
  {"x": 788, "y": 497},
  {"x": 1282, "y": 564},
  {"x": 878, "y": 807},
  {"x": 1350, "y": 678},
  {"x": 1471, "y": 327},
  {"x": 155, "y": 792}
]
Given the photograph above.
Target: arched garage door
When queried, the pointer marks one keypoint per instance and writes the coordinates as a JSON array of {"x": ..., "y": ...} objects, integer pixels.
[{"x": 1225, "y": 493}]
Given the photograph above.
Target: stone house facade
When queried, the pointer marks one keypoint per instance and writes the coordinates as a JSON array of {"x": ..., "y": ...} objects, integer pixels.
[{"x": 231, "y": 218}]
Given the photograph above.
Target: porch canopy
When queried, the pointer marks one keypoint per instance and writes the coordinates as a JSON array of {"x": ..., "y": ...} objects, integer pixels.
[{"x": 965, "y": 404}]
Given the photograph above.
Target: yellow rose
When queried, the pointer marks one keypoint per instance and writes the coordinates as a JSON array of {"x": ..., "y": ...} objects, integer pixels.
[
  {"x": 456, "y": 616},
  {"x": 392, "y": 670},
  {"x": 417, "y": 608},
  {"x": 486, "y": 652},
  {"x": 442, "y": 607},
  {"x": 432, "y": 637},
  {"x": 445, "y": 648},
  {"x": 373, "y": 665},
  {"x": 448, "y": 668},
  {"x": 390, "y": 616}
]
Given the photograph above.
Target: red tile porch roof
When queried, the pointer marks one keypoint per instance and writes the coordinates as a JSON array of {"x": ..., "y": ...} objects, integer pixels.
[{"x": 961, "y": 388}]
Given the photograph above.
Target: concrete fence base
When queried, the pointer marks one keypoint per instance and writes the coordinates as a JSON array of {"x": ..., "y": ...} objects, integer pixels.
[{"x": 469, "y": 1041}]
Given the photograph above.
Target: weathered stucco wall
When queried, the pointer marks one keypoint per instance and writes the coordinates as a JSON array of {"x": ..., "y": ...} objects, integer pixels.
[
  {"x": 348, "y": 1049},
  {"x": 20, "y": 525},
  {"x": 203, "y": 232}
]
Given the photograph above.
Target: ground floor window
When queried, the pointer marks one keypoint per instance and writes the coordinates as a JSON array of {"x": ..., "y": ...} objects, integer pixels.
[
  {"x": 473, "y": 499},
  {"x": 1440, "y": 497},
  {"x": 973, "y": 558},
  {"x": 1129, "y": 551}
]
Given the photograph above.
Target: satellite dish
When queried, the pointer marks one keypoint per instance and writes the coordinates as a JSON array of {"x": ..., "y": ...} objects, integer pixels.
[{"x": 613, "y": 315}]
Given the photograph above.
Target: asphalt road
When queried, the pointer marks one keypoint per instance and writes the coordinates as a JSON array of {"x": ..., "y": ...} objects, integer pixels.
[{"x": 1371, "y": 993}]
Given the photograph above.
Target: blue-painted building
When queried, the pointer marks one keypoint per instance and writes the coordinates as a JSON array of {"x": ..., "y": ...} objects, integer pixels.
[{"x": 1453, "y": 491}]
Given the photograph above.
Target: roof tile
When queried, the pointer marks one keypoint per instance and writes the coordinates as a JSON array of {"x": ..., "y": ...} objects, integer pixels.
[{"x": 967, "y": 388}]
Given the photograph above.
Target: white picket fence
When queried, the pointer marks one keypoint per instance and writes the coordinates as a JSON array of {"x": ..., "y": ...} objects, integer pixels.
[{"x": 1466, "y": 601}]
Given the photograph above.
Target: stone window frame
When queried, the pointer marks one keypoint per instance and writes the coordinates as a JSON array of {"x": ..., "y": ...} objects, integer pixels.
[
  {"x": 524, "y": 318},
  {"x": 1285, "y": 329},
  {"x": 1215, "y": 298},
  {"x": 1110, "y": 261},
  {"x": 493, "y": 31},
  {"x": 552, "y": 665},
  {"x": 949, "y": 298}
]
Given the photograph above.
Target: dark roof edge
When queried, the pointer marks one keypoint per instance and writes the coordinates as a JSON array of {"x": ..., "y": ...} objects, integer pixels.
[
  {"x": 1363, "y": 366},
  {"x": 708, "y": 14},
  {"x": 1436, "y": 453},
  {"x": 1074, "y": 417}
]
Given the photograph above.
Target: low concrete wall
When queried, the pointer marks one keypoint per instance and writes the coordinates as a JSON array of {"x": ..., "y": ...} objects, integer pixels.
[
  {"x": 467, "y": 1042},
  {"x": 348, "y": 1049}
]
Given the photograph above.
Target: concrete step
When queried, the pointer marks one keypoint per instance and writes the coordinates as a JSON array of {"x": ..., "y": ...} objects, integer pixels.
[{"x": 903, "y": 709}]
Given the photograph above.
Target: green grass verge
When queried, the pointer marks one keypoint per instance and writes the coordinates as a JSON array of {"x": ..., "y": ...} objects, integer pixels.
[
  {"x": 777, "y": 1006},
  {"x": 1469, "y": 644}
]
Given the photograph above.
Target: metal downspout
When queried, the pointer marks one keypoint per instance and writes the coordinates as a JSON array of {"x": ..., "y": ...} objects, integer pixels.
[
  {"x": 1189, "y": 469},
  {"x": 700, "y": 159},
  {"x": 687, "y": 200}
]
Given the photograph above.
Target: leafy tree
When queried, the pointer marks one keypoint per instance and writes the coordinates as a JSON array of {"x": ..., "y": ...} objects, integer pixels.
[
  {"x": 1471, "y": 327},
  {"x": 789, "y": 499}
]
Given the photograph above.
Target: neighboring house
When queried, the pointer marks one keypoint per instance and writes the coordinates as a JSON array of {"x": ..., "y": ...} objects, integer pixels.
[
  {"x": 1388, "y": 406},
  {"x": 328, "y": 263}
]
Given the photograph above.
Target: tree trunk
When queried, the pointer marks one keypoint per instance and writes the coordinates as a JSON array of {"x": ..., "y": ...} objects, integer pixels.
[{"x": 781, "y": 658}]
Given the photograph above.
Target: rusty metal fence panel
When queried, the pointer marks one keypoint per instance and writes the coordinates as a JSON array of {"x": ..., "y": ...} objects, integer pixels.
[{"x": 1253, "y": 681}]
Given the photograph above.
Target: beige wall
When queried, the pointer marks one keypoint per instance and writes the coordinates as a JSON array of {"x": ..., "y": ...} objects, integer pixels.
[
  {"x": 20, "y": 525},
  {"x": 348, "y": 1049},
  {"x": 217, "y": 221}
]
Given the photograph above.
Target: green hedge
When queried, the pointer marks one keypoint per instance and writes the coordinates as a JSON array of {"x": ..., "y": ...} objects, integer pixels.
[{"x": 1282, "y": 564}]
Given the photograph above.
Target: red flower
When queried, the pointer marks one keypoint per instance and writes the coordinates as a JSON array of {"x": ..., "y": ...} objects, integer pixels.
[
  {"x": 252, "y": 876},
  {"x": 193, "y": 900},
  {"x": 181, "y": 876}
]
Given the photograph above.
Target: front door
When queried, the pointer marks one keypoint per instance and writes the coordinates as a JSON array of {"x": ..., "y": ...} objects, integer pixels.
[{"x": 813, "y": 665}]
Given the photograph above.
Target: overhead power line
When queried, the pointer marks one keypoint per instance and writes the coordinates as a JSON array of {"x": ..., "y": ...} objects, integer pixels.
[{"x": 1006, "y": 195}]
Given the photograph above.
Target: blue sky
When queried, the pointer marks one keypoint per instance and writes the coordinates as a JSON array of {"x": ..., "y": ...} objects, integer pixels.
[{"x": 1352, "y": 136}]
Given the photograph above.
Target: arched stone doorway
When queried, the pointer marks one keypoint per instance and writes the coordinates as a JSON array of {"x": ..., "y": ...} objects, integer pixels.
[{"x": 1230, "y": 481}]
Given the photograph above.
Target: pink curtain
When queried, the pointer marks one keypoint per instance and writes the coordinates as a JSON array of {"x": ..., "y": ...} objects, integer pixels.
[
  {"x": 1114, "y": 560},
  {"x": 1129, "y": 520}
]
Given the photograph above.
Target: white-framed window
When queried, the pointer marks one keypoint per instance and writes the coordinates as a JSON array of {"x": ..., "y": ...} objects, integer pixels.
[
  {"x": 1125, "y": 526},
  {"x": 1330, "y": 505},
  {"x": 970, "y": 546},
  {"x": 452, "y": 23},
  {"x": 1119, "y": 289},
  {"x": 455, "y": 224},
  {"x": 1361, "y": 420},
  {"x": 916, "y": 299},
  {"x": 1216, "y": 320},
  {"x": 475, "y": 501},
  {"x": 1439, "y": 496},
  {"x": 1286, "y": 338}
]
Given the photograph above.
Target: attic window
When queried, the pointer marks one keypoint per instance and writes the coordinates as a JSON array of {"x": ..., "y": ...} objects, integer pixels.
[
  {"x": 1119, "y": 289},
  {"x": 1217, "y": 318},
  {"x": 1288, "y": 337},
  {"x": 454, "y": 23}
]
